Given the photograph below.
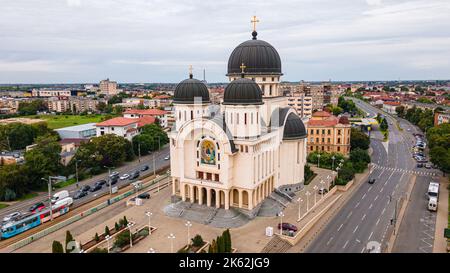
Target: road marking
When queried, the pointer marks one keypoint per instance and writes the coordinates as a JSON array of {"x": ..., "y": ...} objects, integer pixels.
[
  {"x": 350, "y": 214},
  {"x": 363, "y": 196},
  {"x": 358, "y": 241},
  {"x": 340, "y": 227},
  {"x": 378, "y": 221},
  {"x": 356, "y": 228},
  {"x": 370, "y": 236},
  {"x": 330, "y": 240},
  {"x": 376, "y": 197},
  {"x": 357, "y": 204},
  {"x": 364, "y": 217},
  {"x": 371, "y": 204},
  {"x": 345, "y": 244},
  {"x": 369, "y": 188},
  {"x": 381, "y": 190},
  {"x": 383, "y": 211}
]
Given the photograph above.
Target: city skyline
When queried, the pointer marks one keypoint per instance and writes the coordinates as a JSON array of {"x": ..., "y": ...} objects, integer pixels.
[{"x": 77, "y": 41}]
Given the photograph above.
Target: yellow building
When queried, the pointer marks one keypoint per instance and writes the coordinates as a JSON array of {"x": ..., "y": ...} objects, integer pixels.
[{"x": 327, "y": 133}]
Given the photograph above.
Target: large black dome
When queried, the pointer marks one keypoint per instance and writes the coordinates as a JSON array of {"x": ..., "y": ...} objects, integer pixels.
[
  {"x": 187, "y": 90},
  {"x": 242, "y": 91},
  {"x": 294, "y": 127},
  {"x": 259, "y": 57}
]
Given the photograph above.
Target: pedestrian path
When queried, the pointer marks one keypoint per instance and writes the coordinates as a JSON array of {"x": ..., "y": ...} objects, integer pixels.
[{"x": 414, "y": 172}]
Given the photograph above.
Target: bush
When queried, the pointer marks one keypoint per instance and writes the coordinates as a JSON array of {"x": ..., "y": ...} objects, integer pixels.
[
  {"x": 96, "y": 238},
  {"x": 69, "y": 238},
  {"x": 99, "y": 250},
  {"x": 122, "y": 239},
  {"x": 107, "y": 232},
  {"x": 116, "y": 226},
  {"x": 197, "y": 241},
  {"x": 144, "y": 232},
  {"x": 57, "y": 247}
]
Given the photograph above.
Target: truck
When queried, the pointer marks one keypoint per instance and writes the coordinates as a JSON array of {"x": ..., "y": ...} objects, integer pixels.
[
  {"x": 432, "y": 204},
  {"x": 59, "y": 196},
  {"x": 433, "y": 196}
]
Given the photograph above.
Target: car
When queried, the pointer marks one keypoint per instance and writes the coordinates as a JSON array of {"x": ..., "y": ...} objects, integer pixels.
[
  {"x": 134, "y": 175},
  {"x": 287, "y": 226},
  {"x": 419, "y": 165},
  {"x": 11, "y": 216},
  {"x": 37, "y": 207},
  {"x": 124, "y": 176},
  {"x": 80, "y": 194},
  {"x": 322, "y": 191},
  {"x": 167, "y": 157},
  {"x": 144, "y": 168},
  {"x": 86, "y": 188},
  {"x": 114, "y": 174},
  {"x": 371, "y": 181},
  {"x": 428, "y": 166},
  {"x": 96, "y": 187},
  {"x": 144, "y": 195},
  {"x": 113, "y": 180},
  {"x": 101, "y": 182}
]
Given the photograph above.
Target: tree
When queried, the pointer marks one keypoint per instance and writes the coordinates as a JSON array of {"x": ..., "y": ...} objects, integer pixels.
[
  {"x": 197, "y": 241},
  {"x": 116, "y": 226},
  {"x": 14, "y": 182},
  {"x": 400, "y": 110},
  {"x": 384, "y": 125},
  {"x": 107, "y": 232},
  {"x": 69, "y": 238},
  {"x": 146, "y": 143},
  {"x": 96, "y": 238},
  {"x": 359, "y": 139},
  {"x": 213, "y": 247},
  {"x": 337, "y": 110},
  {"x": 359, "y": 159},
  {"x": 101, "y": 106},
  {"x": 31, "y": 108},
  {"x": 57, "y": 247}
]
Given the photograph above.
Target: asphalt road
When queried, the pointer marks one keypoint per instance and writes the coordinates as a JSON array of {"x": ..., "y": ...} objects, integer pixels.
[
  {"x": 365, "y": 219},
  {"x": 129, "y": 167}
]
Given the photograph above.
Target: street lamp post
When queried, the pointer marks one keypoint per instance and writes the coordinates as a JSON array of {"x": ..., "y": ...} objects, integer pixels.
[
  {"x": 76, "y": 171},
  {"x": 315, "y": 194},
  {"x": 318, "y": 160},
  {"x": 130, "y": 225},
  {"x": 333, "y": 158},
  {"x": 109, "y": 178},
  {"x": 149, "y": 214},
  {"x": 307, "y": 200},
  {"x": 328, "y": 182},
  {"x": 151, "y": 250},
  {"x": 49, "y": 181},
  {"x": 171, "y": 237},
  {"x": 322, "y": 182},
  {"x": 139, "y": 151},
  {"x": 281, "y": 214},
  {"x": 188, "y": 224}
]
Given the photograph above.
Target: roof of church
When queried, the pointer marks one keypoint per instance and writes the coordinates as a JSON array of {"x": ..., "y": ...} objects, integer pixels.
[
  {"x": 188, "y": 90},
  {"x": 294, "y": 127},
  {"x": 242, "y": 91},
  {"x": 259, "y": 57}
]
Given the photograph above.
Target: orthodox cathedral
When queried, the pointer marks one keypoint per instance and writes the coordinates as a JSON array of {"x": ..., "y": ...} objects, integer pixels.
[{"x": 237, "y": 153}]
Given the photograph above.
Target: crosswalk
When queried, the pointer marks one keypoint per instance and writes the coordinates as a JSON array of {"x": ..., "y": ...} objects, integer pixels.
[{"x": 414, "y": 172}]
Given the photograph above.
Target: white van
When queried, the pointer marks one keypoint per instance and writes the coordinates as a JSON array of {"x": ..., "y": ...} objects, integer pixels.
[
  {"x": 432, "y": 204},
  {"x": 68, "y": 201},
  {"x": 59, "y": 196}
]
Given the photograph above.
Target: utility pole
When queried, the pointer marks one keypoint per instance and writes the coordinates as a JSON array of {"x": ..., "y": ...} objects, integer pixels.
[
  {"x": 76, "y": 170},
  {"x": 139, "y": 151}
]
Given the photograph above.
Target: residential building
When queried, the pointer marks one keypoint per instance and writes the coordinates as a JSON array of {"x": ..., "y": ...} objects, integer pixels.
[
  {"x": 161, "y": 115},
  {"x": 440, "y": 118},
  {"x": 389, "y": 107},
  {"x": 84, "y": 131},
  {"x": 44, "y": 92},
  {"x": 108, "y": 87}
]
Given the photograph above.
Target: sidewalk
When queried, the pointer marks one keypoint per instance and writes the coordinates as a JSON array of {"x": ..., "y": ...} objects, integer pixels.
[{"x": 440, "y": 242}]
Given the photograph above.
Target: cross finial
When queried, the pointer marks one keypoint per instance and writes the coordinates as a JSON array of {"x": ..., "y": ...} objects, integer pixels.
[
  {"x": 254, "y": 21},
  {"x": 190, "y": 70},
  {"x": 242, "y": 68}
]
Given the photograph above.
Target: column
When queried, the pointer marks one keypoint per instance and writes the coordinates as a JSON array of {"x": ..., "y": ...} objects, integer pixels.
[
  {"x": 191, "y": 193},
  {"x": 240, "y": 199},
  {"x": 183, "y": 192},
  {"x": 200, "y": 196},
  {"x": 227, "y": 199},
  {"x": 250, "y": 200},
  {"x": 217, "y": 198},
  {"x": 173, "y": 186},
  {"x": 231, "y": 198},
  {"x": 208, "y": 197}
]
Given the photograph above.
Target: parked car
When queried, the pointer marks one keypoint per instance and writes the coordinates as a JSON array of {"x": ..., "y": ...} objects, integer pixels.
[
  {"x": 134, "y": 175},
  {"x": 419, "y": 165},
  {"x": 11, "y": 216},
  {"x": 144, "y": 195},
  {"x": 167, "y": 157},
  {"x": 37, "y": 207},
  {"x": 371, "y": 181},
  {"x": 144, "y": 168},
  {"x": 287, "y": 226},
  {"x": 322, "y": 191},
  {"x": 124, "y": 176},
  {"x": 428, "y": 166},
  {"x": 96, "y": 187},
  {"x": 101, "y": 182},
  {"x": 80, "y": 194},
  {"x": 86, "y": 188},
  {"x": 114, "y": 173},
  {"x": 113, "y": 180}
]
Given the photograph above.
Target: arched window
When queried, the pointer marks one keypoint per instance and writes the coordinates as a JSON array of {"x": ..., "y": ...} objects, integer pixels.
[{"x": 208, "y": 152}]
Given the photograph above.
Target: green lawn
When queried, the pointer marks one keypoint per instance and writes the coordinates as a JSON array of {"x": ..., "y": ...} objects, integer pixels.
[
  {"x": 2, "y": 206},
  {"x": 60, "y": 121},
  {"x": 28, "y": 196}
]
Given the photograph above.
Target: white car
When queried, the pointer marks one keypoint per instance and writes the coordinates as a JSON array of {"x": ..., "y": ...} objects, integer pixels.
[
  {"x": 11, "y": 216},
  {"x": 167, "y": 157},
  {"x": 124, "y": 176}
]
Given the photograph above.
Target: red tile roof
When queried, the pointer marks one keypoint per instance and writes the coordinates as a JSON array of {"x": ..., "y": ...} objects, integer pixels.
[
  {"x": 321, "y": 114},
  {"x": 150, "y": 112},
  {"x": 120, "y": 121},
  {"x": 162, "y": 97},
  {"x": 145, "y": 120},
  {"x": 393, "y": 103},
  {"x": 324, "y": 123}
]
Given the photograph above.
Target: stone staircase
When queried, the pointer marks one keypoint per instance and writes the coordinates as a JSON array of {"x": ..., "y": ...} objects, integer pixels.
[{"x": 276, "y": 245}]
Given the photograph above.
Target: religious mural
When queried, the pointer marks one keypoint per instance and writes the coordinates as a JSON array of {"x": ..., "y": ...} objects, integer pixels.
[{"x": 208, "y": 153}]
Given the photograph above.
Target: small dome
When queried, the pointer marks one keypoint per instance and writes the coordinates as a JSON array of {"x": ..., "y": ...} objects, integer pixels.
[
  {"x": 188, "y": 90},
  {"x": 344, "y": 120},
  {"x": 294, "y": 128},
  {"x": 242, "y": 91},
  {"x": 259, "y": 57}
]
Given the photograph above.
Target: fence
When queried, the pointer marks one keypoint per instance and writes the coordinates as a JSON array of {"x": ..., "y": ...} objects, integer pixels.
[{"x": 80, "y": 216}]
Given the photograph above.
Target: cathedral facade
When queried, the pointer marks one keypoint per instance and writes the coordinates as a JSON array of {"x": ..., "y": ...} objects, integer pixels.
[{"x": 237, "y": 153}]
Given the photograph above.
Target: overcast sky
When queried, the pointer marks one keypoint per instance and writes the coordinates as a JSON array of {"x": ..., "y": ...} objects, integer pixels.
[{"x": 76, "y": 41}]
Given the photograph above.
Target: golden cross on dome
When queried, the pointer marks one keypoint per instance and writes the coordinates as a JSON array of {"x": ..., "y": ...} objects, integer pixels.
[
  {"x": 254, "y": 21},
  {"x": 242, "y": 68}
]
